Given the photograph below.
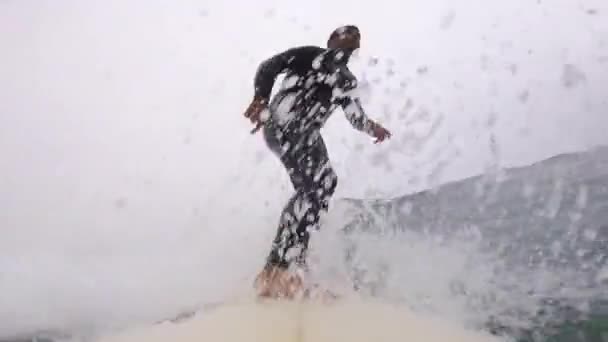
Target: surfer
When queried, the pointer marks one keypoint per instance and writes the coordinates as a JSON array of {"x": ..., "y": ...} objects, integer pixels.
[{"x": 317, "y": 81}]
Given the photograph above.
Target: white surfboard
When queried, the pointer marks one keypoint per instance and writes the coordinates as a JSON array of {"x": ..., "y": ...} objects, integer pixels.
[{"x": 346, "y": 320}]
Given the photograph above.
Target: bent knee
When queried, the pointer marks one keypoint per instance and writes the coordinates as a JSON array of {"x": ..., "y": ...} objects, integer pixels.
[
  {"x": 328, "y": 183},
  {"x": 331, "y": 181}
]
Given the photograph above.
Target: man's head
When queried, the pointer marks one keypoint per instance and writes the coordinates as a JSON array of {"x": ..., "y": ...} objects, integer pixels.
[{"x": 345, "y": 37}]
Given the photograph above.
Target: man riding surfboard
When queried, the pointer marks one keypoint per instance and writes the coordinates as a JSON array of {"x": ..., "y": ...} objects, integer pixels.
[{"x": 317, "y": 81}]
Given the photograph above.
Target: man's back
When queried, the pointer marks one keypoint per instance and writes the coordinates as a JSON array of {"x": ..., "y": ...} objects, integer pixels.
[
  {"x": 305, "y": 67},
  {"x": 312, "y": 76}
]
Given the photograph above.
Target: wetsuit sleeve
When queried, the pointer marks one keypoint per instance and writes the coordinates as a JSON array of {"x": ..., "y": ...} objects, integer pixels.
[
  {"x": 345, "y": 91},
  {"x": 353, "y": 110},
  {"x": 268, "y": 71}
]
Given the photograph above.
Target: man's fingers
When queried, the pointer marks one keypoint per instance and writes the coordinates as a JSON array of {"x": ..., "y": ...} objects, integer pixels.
[
  {"x": 382, "y": 136},
  {"x": 254, "y": 117},
  {"x": 257, "y": 128},
  {"x": 250, "y": 112},
  {"x": 253, "y": 108}
]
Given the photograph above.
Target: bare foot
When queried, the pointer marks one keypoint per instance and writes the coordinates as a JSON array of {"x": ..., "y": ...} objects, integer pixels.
[{"x": 278, "y": 283}]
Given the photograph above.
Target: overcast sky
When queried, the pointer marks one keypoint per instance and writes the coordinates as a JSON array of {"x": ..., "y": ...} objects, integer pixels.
[
  {"x": 126, "y": 116},
  {"x": 109, "y": 91}
]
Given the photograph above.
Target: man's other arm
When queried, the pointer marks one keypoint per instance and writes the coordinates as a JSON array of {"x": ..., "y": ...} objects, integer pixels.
[{"x": 270, "y": 68}]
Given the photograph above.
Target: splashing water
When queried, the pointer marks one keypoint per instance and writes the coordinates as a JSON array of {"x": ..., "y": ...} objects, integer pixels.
[
  {"x": 453, "y": 274},
  {"x": 522, "y": 250}
]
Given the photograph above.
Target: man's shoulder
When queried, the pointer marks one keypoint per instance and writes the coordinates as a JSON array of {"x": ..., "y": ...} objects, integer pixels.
[
  {"x": 302, "y": 58},
  {"x": 311, "y": 50}
]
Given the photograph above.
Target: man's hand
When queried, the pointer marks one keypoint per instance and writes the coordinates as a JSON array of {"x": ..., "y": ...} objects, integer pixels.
[
  {"x": 254, "y": 113},
  {"x": 380, "y": 133}
]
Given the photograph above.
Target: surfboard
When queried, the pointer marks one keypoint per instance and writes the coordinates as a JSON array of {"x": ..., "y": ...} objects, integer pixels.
[{"x": 347, "y": 320}]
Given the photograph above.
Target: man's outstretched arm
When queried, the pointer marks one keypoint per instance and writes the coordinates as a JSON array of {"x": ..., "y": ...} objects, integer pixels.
[
  {"x": 353, "y": 110},
  {"x": 345, "y": 91}
]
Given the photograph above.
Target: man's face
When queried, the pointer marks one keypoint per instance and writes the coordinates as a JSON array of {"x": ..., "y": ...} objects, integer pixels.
[
  {"x": 355, "y": 42},
  {"x": 349, "y": 41}
]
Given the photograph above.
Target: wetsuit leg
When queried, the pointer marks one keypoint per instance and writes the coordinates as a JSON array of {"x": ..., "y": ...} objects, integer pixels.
[{"x": 314, "y": 182}]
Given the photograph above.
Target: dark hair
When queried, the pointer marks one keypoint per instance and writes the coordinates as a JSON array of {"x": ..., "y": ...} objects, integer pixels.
[{"x": 344, "y": 31}]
